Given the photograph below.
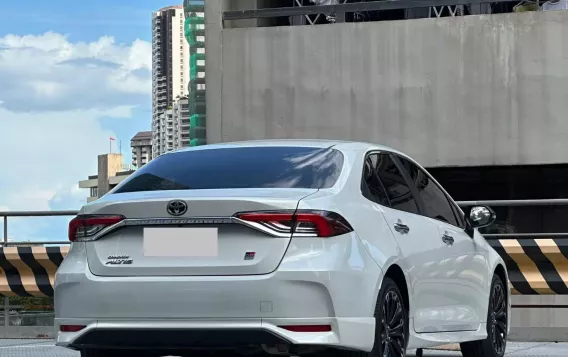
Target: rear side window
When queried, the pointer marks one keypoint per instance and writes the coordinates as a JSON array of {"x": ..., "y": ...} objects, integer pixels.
[
  {"x": 398, "y": 191},
  {"x": 371, "y": 185},
  {"x": 436, "y": 203},
  {"x": 240, "y": 167}
]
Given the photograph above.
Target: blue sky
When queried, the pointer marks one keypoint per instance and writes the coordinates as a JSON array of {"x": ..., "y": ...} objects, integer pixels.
[
  {"x": 72, "y": 74},
  {"x": 125, "y": 20}
]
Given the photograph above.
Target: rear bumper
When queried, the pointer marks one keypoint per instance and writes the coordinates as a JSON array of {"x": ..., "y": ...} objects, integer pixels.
[
  {"x": 319, "y": 281},
  {"x": 182, "y": 335}
]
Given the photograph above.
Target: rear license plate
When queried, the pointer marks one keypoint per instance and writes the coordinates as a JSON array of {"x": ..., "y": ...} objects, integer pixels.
[{"x": 180, "y": 242}]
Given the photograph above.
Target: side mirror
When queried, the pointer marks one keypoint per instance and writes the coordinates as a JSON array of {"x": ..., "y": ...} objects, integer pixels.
[{"x": 481, "y": 216}]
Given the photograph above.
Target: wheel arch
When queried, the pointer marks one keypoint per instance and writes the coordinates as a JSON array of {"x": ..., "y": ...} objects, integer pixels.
[
  {"x": 501, "y": 272},
  {"x": 396, "y": 273}
]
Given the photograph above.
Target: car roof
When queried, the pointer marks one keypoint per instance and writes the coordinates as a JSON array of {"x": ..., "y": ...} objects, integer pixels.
[{"x": 315, "y": 143}]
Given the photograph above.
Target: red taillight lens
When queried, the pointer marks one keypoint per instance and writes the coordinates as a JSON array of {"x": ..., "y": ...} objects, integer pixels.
[
  {"x": 301, "y": 223},
  {"x": 81, "y": 228},
  {"x": 71, "y": 328},
  {"x": 307, "y": 328}
]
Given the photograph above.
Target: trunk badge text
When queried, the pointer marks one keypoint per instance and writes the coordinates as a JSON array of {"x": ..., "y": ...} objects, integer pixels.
[
  {"x": 118, "y": 260},
  {"x": 249, "y": 255}
]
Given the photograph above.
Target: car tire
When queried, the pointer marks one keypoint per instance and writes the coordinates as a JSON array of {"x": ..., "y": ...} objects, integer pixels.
[
  {"x": 496, "y": 342},
  {"x": 397, "y": 340}
]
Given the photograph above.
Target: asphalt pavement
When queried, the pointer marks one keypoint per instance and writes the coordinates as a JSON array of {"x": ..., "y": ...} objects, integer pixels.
[{"x": 47, "y": 348}]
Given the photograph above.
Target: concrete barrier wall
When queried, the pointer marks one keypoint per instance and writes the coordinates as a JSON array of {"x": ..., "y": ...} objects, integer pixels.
[{"x": 465, "y": 91}]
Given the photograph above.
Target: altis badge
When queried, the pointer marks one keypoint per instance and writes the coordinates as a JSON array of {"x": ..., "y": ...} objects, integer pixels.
[{"x": 118, "y": 260}]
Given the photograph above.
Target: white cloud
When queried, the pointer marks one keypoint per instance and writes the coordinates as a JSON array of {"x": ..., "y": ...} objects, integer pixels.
[
  {"x": 53, "y": 94},
  {"x": 56, "y": 74}
]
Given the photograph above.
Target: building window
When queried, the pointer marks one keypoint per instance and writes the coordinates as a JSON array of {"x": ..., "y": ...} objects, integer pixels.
[{"x": 94, "y": 192}]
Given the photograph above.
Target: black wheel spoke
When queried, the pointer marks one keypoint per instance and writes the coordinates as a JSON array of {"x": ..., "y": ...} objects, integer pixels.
[
  {"x": 392, "y": 351},
  {"x": 498, "y": 319},
  {"x": 501, "y": 326},
  {"x": 398, "y": 330},
  {"x": 390, "y": 306},
  {"x": 397, "y": 315},
  {"x": 393, "y": 339},
  {"x": 500, "y": 297},
  {"x": 500, "y": 309},
  {"x": 385, "y": 349},
  {"x": 500, "y": 316},
  {"x": 398, "y": 348}
]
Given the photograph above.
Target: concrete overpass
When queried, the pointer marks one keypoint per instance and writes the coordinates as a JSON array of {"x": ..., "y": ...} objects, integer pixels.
[{"x": 454, "y": 91}]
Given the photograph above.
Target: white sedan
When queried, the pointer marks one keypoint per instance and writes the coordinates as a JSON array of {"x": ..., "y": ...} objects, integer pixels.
[{"x": 284, "y": 247}]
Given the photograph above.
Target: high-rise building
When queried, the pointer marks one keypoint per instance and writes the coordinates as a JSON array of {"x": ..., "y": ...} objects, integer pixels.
[
  {"x": 170, "y": 72},
  {"x": 181, "y": 122},
  {"x": 141, "y": 145},
  {"x": 195, "y": 35}
]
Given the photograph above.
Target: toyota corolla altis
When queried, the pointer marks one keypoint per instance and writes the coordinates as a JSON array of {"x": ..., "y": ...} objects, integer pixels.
[{"x": 284, "y": 247}]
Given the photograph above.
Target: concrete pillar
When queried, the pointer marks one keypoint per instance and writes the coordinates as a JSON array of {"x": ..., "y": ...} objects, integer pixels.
[{"x": 214, "y": 64}]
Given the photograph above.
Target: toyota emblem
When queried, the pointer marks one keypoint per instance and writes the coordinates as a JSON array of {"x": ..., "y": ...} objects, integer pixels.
[{"x": 176, "y": 208}]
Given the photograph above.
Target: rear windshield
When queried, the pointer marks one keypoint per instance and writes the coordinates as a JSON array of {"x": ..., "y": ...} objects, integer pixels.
[{"x": 241, "y": 167}]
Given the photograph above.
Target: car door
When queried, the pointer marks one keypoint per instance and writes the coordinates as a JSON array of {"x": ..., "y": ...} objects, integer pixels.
[
  {"x": 416, "y": 235},
  {"x": 463, "y": 261}
]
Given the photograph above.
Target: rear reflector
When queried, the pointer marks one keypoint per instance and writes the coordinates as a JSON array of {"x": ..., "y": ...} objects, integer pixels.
[
  {"x": 84, "y": 228},
  {"x": 307, "y": 328},
  {"x": 71, "y": 328},
  {"x": 306, "y": 223}
]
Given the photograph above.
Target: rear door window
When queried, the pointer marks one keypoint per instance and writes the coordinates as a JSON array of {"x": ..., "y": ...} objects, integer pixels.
[{"x": 238, "y": 167}]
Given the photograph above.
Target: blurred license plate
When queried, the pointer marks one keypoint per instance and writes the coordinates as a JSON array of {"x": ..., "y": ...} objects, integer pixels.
[{"x": 180, "y": 242}]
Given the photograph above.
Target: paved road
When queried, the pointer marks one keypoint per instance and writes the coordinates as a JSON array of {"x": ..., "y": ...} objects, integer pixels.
[{"x": 46, "y": 348}]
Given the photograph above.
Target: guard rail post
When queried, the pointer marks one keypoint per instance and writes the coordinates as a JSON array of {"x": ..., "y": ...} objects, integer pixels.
[{"x": 4, "y": 242}]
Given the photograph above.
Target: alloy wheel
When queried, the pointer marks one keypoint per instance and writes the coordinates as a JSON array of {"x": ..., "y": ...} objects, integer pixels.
[
  {"x": 499, "y": 320},
  {"x": 393, "y": 339}
]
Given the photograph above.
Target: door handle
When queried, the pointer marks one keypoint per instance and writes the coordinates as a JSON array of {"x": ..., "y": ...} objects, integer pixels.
[
  {"x": 401, "y": 228},
  {"x": 449, "y": 240}
]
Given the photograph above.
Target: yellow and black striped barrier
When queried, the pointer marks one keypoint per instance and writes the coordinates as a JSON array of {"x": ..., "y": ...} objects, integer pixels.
[
  {"x": 29, "y": 271},
  {"x": 535, "y": 266}
]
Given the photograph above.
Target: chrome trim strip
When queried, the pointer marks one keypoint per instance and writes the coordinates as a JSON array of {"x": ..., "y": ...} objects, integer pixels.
[{"x": 131, "y": 222}]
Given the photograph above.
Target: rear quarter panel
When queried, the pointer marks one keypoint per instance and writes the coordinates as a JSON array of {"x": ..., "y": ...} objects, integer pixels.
[{"x": 366, "y": 218}]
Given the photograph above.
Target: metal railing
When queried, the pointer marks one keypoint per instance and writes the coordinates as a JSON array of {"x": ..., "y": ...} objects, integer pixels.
[
  {"x": 520, "y": 203},
  {"x": 354, "y": 7},
  {"x": 493, "y": 203},
  {"x": 5, "y": 216}
]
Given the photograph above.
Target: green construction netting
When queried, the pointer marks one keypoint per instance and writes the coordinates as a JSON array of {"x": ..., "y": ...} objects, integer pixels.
[
  {"x": 197, "y": 120},
  {"x": 193, "y": 27},
  {"x": 197, "y": 142},
  {"x": 197, "y": 132}
]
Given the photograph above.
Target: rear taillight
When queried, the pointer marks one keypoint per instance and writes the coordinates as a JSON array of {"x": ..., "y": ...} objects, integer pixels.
[
  {"x": 84, "y": 228},
  {"x": 302, "y": 223},
  {"x": 307, "y": 328},
  {"x": 71, "y": 328}
]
